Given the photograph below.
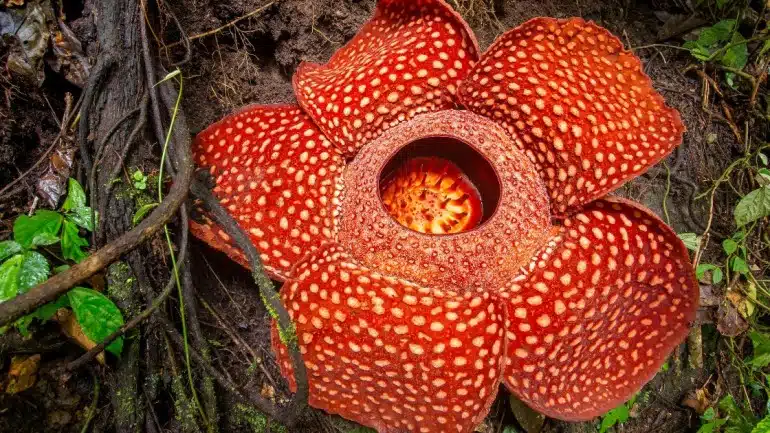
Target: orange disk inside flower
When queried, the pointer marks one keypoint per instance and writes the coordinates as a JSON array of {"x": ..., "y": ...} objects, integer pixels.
[{"x": 432, "y": 195}]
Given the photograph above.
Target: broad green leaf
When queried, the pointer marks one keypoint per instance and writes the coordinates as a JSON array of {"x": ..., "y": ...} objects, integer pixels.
[
  {"x": 761, "y": 355},
  {"x": 83, "y": 217},
  {"x": 142, "y": 212},
  {"x": 690, "y": 240},
  {"x": 719, "y": 32},
  {"x": 697, "y": 50},
  {"x": 9, "y": 277},
  {"x": 737, "y": 55},
  {"x": 97, "y": 315},
  {"x": 43, "y": 313},
  {"x": 753, "y": 206},
  {"x": 72, "y": 243},
  {"x": 34, "y": 270},
  {"x": 739, "y": 265},
  {"x": 9, "y": 248},
  {"x": 709, "y": 414},
  {"x": 763, "y": 176},
  {"x": 716, "y": 272},
  {"x": 729, "y": 246},
  {"x": 42, "y": 228},
  {"x": 75, "y": 206},
  {"x": 616, "y": 416},
  {"x": 763, "y": 426},
  {"x": 762, "y": 156},
  {"x": 76, "y": 197}
]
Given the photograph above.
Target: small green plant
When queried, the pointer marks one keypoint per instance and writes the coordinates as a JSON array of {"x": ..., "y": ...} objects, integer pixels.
[
  {"x": 723, "y": 44},
  {"x": 616, "y": 416},
  {"x": 24, "y": 264},
  {"x": 139, "y": 180}
]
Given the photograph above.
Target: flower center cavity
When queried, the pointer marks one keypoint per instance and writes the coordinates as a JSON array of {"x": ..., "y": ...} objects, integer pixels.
[{"x": 439, "y": 185}]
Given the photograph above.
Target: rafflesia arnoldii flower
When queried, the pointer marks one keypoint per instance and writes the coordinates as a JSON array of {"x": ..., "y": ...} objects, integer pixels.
[{"x": 440, "y": 221}]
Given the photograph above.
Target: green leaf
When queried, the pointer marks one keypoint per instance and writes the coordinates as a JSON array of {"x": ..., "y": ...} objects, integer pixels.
[
  {"x": 143, "y": 211},
  {"x": 716, "y": 272},
  {"x": 729, "y": 246},
  {"x": 76, "y": 208},
  {"x": 709, "y": 414},
  {"x": 763, "y": 426},
  {"x": 34, "y": 270},
  {"x": 83, "y": 217},
  {"x": 618, "y": 415},
  {"x": 42, "y": 228},
  {"x": 43, "y": 313},
  {"x": 761, "y": 356},
  {"x": 719, "y": 32},
  {"x": 753, "y": 206},
  {"x": 763, "y": 176},
  {"x": 9, "y": 277},
  {"x": 737, "y": 55},
  {"x": 97, "y": 315},
  {"x": 762, "y": 156},
  {"x": 9, "y": 248},
  {"x": 72, "y": 242},
  {"x": 697, "y": 50},
  {"x": 690, "y": 240},
  {"x": 739, "y": 265},
  {"x": 76, "y": 197}
]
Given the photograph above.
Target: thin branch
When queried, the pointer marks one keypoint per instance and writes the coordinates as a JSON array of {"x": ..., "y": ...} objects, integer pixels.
[
  {"x": 269, "y": 295},
  {"x": 222, "y": 27}
]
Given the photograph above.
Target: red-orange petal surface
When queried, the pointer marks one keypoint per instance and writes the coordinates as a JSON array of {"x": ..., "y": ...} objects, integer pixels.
[
  {"x": 278, "y": 176},
  {"x": 578, "y": 103},
  {"x": 390, "y": 354},
  {"x": 598, "y": 311},
  {"x": 408, "y": 59}
]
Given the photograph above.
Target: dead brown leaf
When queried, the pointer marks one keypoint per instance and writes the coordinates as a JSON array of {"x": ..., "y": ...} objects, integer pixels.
[
  {"x": 72, "y": 329},
  {"x": 22, "y": 374}
]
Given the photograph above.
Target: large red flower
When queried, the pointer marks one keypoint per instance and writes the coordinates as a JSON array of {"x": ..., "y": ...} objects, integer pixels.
[{"x": 431, "y": 252}]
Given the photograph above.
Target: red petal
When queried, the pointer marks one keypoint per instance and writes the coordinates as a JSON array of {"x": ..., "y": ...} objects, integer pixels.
[
  {"x": 408, "y": 59},
  {"x": 389, "y": 354},
  {"x": 578, "y": 103},
  {"x": 598, "y": 312},
  {"x": 516, "y": 218},
  {"x": 278, "y": 176}
]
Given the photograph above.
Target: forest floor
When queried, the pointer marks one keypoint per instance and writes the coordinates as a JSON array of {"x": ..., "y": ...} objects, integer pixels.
[{"x": 245, "y": 52}]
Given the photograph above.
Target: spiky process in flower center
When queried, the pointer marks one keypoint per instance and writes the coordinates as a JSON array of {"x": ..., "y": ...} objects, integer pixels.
[{"x": 432, "y": 195}]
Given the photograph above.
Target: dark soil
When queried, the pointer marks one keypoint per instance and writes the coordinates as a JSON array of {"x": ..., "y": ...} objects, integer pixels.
[{"x": 252, "y": 63}]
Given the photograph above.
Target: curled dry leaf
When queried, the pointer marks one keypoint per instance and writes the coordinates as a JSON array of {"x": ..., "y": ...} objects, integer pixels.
[
  {"x": 52, "y": 185},
  {"x": 68, "y": 57},
  {"x": 30, "y": 27},
  {"x": 730, "y": 323},
  {"x": 71, "y": 328},
  {"x": 22, "y": 374}
]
